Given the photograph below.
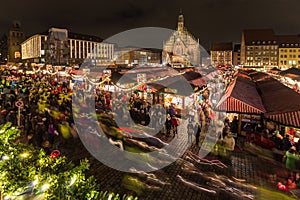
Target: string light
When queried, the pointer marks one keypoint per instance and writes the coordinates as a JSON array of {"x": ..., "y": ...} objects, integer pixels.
[
  {"x": 110, "y": 197},
  {"x": 73, "y": 180},
  {"x": 5, "y": 157},
  {"x": 45, "y": 187},
  {"x": 24, "y": 155},
  {"x": 35, "y": 181}
]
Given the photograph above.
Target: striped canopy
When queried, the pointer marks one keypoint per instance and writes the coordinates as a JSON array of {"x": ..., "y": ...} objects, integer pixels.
[
  {"x": 241, "y": 97},
  {"x": 289, "y": 118}
]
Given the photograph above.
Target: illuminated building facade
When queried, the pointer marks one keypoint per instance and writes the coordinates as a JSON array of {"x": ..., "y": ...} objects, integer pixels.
[
  {"x": 221, "y": 53},
  {"x": 182, "y": 48},
  {"x": 34, "y": 48},
  {"x": 288, "y": 51},
  {"x": 60, "y": 47},
  {"x": 133, "y": 57},
  {"x": 259, "y": 48}
]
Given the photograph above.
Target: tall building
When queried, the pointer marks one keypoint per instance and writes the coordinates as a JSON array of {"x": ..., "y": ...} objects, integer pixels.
[
  {"x": 221, "y": 53},
  {"x": 237, "y": 55},
  {"x": 182, "y": 48},
  {"x": 259, "y": 48},
  {"x": 60, "y": 47},
  {"x": 15, "y": 37},
  {"x": 288, "y": 51}
]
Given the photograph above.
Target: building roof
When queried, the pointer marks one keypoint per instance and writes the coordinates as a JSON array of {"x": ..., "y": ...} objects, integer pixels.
[
  {"x": 259, "y": 35},
  {"x": 283, "y": 40},
  {"x": 222, "y": 46},
  {"x": 80, "y": 36}
]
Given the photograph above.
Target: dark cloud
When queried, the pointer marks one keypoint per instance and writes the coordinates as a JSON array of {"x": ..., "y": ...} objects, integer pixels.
[{"x": 209, "y": 20}]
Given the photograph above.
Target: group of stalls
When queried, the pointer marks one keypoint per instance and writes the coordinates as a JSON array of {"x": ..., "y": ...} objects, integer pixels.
[
  {"x": 164, "y": 86},
  {"x": 291, "y": 77},
  {"x": 256, "y": 98},
  {"x": 156, "y": 85}
]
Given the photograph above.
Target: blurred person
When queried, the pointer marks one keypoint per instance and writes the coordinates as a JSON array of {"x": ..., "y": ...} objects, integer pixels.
[
  {"x": 291, "y": 160},
  {"x": 229, "y": 142}
]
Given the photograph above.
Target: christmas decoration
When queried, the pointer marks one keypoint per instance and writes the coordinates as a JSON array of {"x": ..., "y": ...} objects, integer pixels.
[{"x": 24, "y": 170}]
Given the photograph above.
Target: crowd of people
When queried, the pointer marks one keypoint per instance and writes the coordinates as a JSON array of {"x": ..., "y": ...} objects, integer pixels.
[{"x": 45, "y": 116}]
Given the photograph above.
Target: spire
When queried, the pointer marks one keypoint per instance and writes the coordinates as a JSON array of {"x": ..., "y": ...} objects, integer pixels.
[{"x": 180, "y": 26}]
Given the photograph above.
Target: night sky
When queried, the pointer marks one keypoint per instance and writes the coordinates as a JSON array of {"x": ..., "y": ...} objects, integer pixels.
[{"x": 209, "y": 20}]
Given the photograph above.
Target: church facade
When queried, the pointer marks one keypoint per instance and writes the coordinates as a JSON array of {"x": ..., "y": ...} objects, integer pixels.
[{"x": 182, "y": 49}]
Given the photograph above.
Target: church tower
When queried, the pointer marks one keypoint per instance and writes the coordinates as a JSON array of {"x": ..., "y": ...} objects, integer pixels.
[{"x": 180, "y": 25}]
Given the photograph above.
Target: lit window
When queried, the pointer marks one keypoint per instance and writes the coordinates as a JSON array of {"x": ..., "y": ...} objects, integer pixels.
[{"x": 17, "y": 54}]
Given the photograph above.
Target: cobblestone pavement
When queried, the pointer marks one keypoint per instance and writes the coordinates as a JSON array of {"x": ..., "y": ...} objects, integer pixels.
[{"x": 241, "y": 165}]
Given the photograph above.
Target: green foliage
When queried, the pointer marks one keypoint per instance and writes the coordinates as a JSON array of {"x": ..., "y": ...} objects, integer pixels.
[{"x": 26, "y": 169}]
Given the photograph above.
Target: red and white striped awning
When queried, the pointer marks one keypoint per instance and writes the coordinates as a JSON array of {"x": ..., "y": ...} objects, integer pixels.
[
  {"x": 289, "y": 118},
  {"x": 241, "y": 97},
  {"x": 234, "y": 105}
]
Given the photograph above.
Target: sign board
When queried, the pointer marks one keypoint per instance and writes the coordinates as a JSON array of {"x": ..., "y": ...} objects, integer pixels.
[{"x": 19, "y": 103}]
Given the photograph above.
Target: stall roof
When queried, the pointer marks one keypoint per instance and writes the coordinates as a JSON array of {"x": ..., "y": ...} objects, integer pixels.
[
  {"x": 257, "y": 76},
  {"x": 242, "y": 97},
  {"x": 292, "y": 70},
  {"x": 282, "y": 103},
  {"x": 191, "y": 75}
]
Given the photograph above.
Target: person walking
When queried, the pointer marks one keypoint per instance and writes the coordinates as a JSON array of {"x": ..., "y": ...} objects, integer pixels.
[
  {"x": 168, "y": 125},
  {"x": 198, "y": 131},
  {"x": 175, "y": 123},
  {"x": 190, "y": 131}
]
